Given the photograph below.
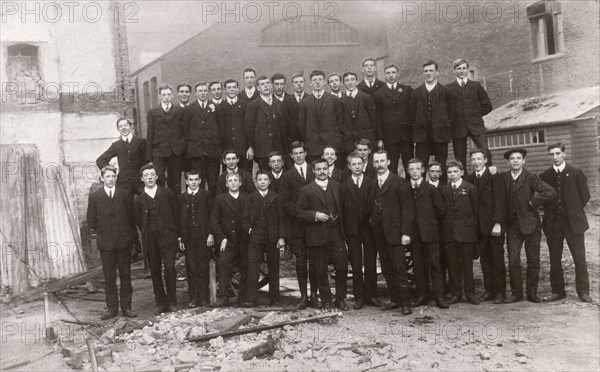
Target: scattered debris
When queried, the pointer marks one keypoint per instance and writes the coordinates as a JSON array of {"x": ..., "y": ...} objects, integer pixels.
[{"x": 266, "y": 348}]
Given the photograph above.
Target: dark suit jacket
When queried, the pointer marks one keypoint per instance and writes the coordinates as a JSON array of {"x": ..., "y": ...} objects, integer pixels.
[
  {"x": 224, "y": 221},
  {"x": 337, "y": 174},
  {"x": 357, "y": 204},
  {"x": 166, "y": 132},
  {"x": 394, "y": 121},
  {"x": 359, "y": 120},
  {"x": 362, "y": 86},
  {"x": 168, "y": 217},
  {"x": 460, "y": 224},
  {"x": 131, "y": 157},
  {"x": 204, "y": 134},
  {"x": 292, "y": 107},
  {"x": 575, "y": 195},
  {"x": 246, "y": 178},
  {"x": 202, "y": 208},
  {"x": 291, "y": 183},
  {"x": 529, "y": 189},
  {"x": 265, "y": 127},
  {"x": 369, "y": 171},
  {"x": 320, "y": 123},
  {"x": 472, "y": 103},
  {"x": 244, "y": 97},
  {"x": 231, "y": 122},
  {"x": 275, "y": 184},
  {"x": 275, "y": 216},
  {"x": 492, "y": 200},
  {"x": 430, "y": 211},
  {"x": 311, "y": 200},
  {"x": 398, "y": 212},
  {"x": 442, "y": 113},
  {"x": 112, "y": 219}
]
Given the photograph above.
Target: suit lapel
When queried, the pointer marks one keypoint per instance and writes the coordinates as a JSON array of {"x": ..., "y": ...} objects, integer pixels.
[
  {"x": 229, "y": 200},
  {"x": 318, "y": 191},
  {"x": 386, "y": 184},
  {"x": 353, "y": 188}
]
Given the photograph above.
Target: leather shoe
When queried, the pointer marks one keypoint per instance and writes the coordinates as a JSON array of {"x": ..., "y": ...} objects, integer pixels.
[
  {"x": 129, "y": 314},
  {"x": 499, "y": 299},
  {"x": 390, "y": 306},
  {"x": 342, "y": 305},
  {"x": 534, "y": 299},
  {"x": 441, "y": 303},
  {"x": 585, "y": 298},
  {"x": 487, "y": 296},
  {"x": 359, "y": 304},
  {"x": 420, "y": 301},
  {"x": 513, "y": 299},
  {"x": 249, "y": 304},
  {"x": 453, "y": 300},
  {"x": 192, "y": 305},
  {"x": 171, "y": 308},
  {"x": 159, "y": 310},
  {"x": 373, "y": 301},
  {"x": 314, "y": 301},
  {"x": 472, "y": 300},
  {"x": 326, "y": 306},
  {"x": 108, "y": 314},
  {"x": 303, "y": 304},
  {"x": 553, "y": 297},
  {"x": 204, "y": 304},
  {"x": 222, "y": 302},
  {"x": 406, "y": 310}
]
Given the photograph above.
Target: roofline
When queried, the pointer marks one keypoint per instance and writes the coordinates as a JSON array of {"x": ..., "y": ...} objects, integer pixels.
[{"x": 542, "y": 124}]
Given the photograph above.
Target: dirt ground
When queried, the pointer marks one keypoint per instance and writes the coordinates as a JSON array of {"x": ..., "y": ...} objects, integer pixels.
[{"x": 523, "y": 336}]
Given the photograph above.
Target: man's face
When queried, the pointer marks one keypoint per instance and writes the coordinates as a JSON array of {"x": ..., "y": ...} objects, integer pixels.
[
  {"x": 461, "y": 71},
  {"x": 264, "y": 87},
  {"x": 478, "y": 161},
  {"x": 415, "y": 170},
  {"x": 262, "y": 182},
  {"x": 184, "y": 94},
  {"x": 356, "y": 166},
  {"x": 279, "y": 86},
  {"x": 369, "y": 68},
  {"x": 216, "y": 92},
  {"x": 231, "y": 89},
  {"x": 249, "y": 79},
  {"x": 329, "y": 155},
  {"x": 435, "y": 172},
  {"x": 276, "y": 163},
  {"x": 233, "y": 183},
  {"x": 334, "y": 83},
  {"x": 430, "y": 73},
  {"x": 165, "y": 96},
  {"x": 350, "y": 82},
  {"x": 320, "y": 170},
  {"x": 298, "y": 83},
  {"x": 381, "y": 163},
  {"x": 193, "y": 181},
  {"x": 557, "y": 156},
  {"x": 231, "y": 161},
  {"x": 298, "y": 155},
  {"x": 516, "y": 160},
  {"x": 363, "y": 151},
  {"x": 391, "y": 75},
  {"x": 149, "y": 178},
  {"x": 124, "y": 128},
  {"x": 454, "y": 174},
  {"x": 202, "y": 92},
  {"x": 318, "y": 82},
  {"x": 109, "y": 179}
]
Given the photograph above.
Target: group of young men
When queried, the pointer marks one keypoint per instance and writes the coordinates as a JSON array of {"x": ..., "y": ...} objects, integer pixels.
[{"x": 336, "y": 199}]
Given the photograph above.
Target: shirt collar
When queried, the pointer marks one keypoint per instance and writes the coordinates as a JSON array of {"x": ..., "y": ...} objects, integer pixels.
[
  {"x": 263, "y": 193},
  {"x": 560, "y": 167},
  {"x": 250, "y": 92},
  {"x": 457, "y": 183},
  {"x": 232, "y": 171},
  {"x": 280, "y": 98},
  {"x": 128, "y": 137},
  {"x": 434, "y": 183},
  {"x": 299, "y": 96},
  {"x": 268, "y": 100},
  {"x": 166, "y": 106},
  {"x": 192, "y": 192},
  {"x": 459, "y": 80},
  {"x": 234, "y": 194},
  {"x": 318, "y": 93},
  {"x": 108, "y": 189},
  {"x": 182, "y": 105},
  {"x": 481, "y": 172},
  {"x": 352, "y": 93},
  {"x": 151, "y": 192},
  {"x": 416, "y": 184},
  {"x": 338, "y": 94},
  {"x": 217, "y": 101},
  {"x": 232, "y": 101},
  {"x": 391, "y": 86},
  {"x": 384, "y": 176},
  {"x": 513, "y": 176},
  {"x": 205, "y": 103},
  {"x": 303, "y": 166},
  {"x": 323, "y": 184},
  {"x": 277, "y": 175},
  {"x": 430, "y": 87}
]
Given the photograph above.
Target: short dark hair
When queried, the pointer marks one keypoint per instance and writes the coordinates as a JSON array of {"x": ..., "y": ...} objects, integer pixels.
[
  {"x": 387, "y": 156},
  {"x": 349, "y": 73},
  {"x": 353, "y": 155},
  {"x": 557, "y": 145},
  {"x": 123, "y": 118},
  {"x": 454, "y": 163},
  {"x": 366, "y": 60},
  {"x": 278, "y": 76},
  {"x": 108, "y": 168},
  {"x": 297, "y": 75},
  {"x": 229, "y": 81},
  {"x": 431, "y": 62},
  {"x": 147, "y": 167},
  {"x": 297, "y": 144},
  {"x": 262, "y": 171},
  {"x": 200, "y": 83},
  {"x": 459, "y": 62},
  {"x": 249, "y": 69},
  {"x": 316, "y": 73},
  {"x": 332, "y": 75},
  {"x": 261, "y": 78},
  {"x": 416, "y": 161},
  {"x": 229, "y": 151},
  {"x": 213, "y": 83},
  {"x": 274, "y": 153},
  {"x": 318, "y": 161},
  {"x": 482, "y": 151},
  {"x": 164, "y": 87},
  {"x": 364, "y": 142},
  {"x": 328, "y": 147},
  {"x": 191, "y": 172},
  {"x": 181, "y": 85},
  {"x": 434, "y": 163},
  {"x": 391, "y": 65}
]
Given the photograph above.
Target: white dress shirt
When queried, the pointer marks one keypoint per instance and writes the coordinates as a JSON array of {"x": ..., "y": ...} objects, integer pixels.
[
  {"x": 151, "y": 192},
  {"x": 560, "y": 168},
  {"x": 109, "y": 191}
]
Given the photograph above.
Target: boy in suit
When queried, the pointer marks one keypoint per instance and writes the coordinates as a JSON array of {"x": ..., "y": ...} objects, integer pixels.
[
  {"x": 459, "y": 232},
  {"x": 230, "y": 160},
  {"x": 194, "y": 219},
  {"x": 434, "y": 171},
  {"x": 110, "y": 214},
  {"x": 334, "y": 172},
  {"x": 226, "y": 225},
  {"x": 370, "y": 84},
  {"x": 292, "y": 105},
  {"x": 357, "y": 203},
  {"x": 363, "y": 148},
  {"x": 231, "y": 119},
  {"x": 250, "y": 92},
  {"x": 276, "y": 165},
  {"x": 264, "y": 221}
]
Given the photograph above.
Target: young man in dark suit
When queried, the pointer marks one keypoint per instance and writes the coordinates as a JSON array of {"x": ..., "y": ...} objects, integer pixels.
[
  {"x": 319, "y": 118},
  {"x": 290, "y": 109},
  {"x": 392, "y": 223},
  {"x": 490, "y": 226},
  {"x": 433, "y": 114},
  {"x": 299, "y": 175},
  {"x": 265, "y": 124},
  {"x": 526, "y": 192},
  {"x": 156, "y": 216},
  {"x": 184, "y": 91},
  {"x": 292, "y": 105},
  {"x": 434, "y": 171},
  {"x": 363, "y": 148},
  {"x": 320, "y": 207},
  {"x": 194, "y": 220},
  {"x": 231, "y": 119},
  {"x": 564, "y": 218},
  {"x": 110, "y": 214},
  {"x": 394, "y": 122},
  {"x": 425, "y": 243},
  {"x": 230, "y": 237},
  {"x": 334, "y": 172},
  {"x": 205, "y": 137},
  {"x": 130, "y": 152},
  {"x": 166, "y": 140},
  {"x": 216, "y": 92},
  {"x": 250, "y": 93},
  {"x": 359, "y": 116},
  {"x": 459, "y": 232},
  {"x": 370, "y": 84},
  {"x": 230, "y": 159},
  {"x": 264, "y": 220},
  {"x": 357, "y": 204},
  {"x": 334, "y": 81},
  {"x": 276, "y": 174}
]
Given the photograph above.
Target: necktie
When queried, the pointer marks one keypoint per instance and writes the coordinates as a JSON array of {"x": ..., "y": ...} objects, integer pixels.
[
  {"x": 454, "y": 191},
  {"x": 393, "y": 86},
  {"x": 110, "y": 193},
  {"x": 126, "y": 140},
  {"x": 302, "y": 172},
  {"x": 370, "y": 84},
  {"x": 358, "y": 182},
  {"x": 318, "y": 96},
  {"x": 380, "y": 182},
  {"x": 462, "y": 83},
  {"x": 478, "y": 175}
]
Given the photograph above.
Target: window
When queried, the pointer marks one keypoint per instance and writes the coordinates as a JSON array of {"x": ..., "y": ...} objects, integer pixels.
[
  {"x": 154, "y": 92},
  {"x": 23, "y": 73},
  {"x": 505, "y": 140},
  {"x": 307, "y": 32},
  {"x": 546, "y": 26},
  {"x": 147, "y": 99}
]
